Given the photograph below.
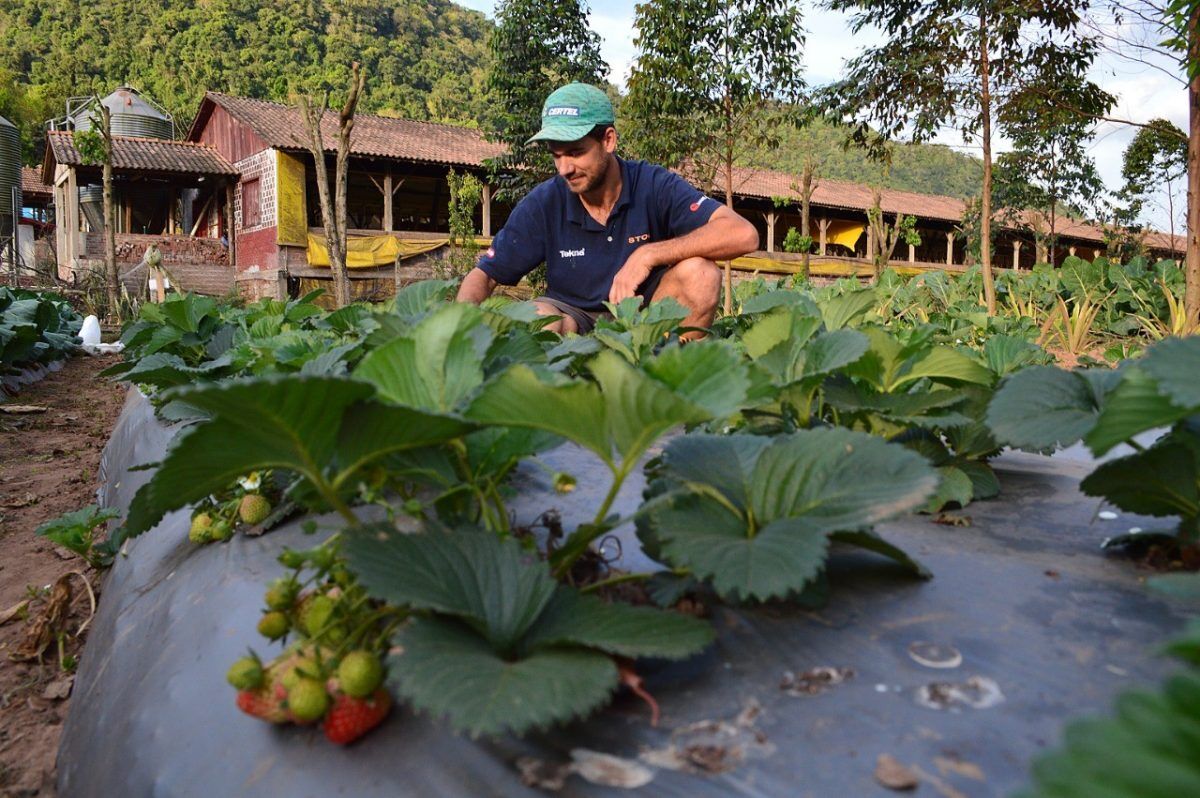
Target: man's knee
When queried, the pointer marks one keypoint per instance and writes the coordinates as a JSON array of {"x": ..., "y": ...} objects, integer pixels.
[
  {"x": 695, "y": 280},
  {"x": 565, "y": 324}
]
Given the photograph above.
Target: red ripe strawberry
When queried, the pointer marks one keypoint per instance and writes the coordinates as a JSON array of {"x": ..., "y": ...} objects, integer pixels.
[
  {"x": 263, "y": 703},
  {"x": 351, "y": 718}
]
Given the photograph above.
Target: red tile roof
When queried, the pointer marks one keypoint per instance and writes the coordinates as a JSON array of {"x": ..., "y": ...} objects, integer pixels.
[
  {"x": 146, "y": 155},
  {"x": 281, "y": 126},
  {"x": 32, "y": 185},
  {"x": 766, "y": 184}
]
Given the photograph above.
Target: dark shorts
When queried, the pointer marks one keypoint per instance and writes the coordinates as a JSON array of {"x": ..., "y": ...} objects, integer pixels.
[{"x": 585, "y": 319}]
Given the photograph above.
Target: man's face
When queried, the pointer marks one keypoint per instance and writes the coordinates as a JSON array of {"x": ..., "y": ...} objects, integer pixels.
[{"x": 584, "y": 163}]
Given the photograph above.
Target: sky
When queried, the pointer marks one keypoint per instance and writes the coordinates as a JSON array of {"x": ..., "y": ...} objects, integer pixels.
[{"x": 1143, "y": 91}]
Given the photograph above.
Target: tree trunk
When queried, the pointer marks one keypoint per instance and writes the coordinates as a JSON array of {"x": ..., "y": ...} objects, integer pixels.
[
  {"x": 729, "y": 144},
  {"x": 806, "y": 192},
  {"x": 112, "y": 276},
  {"x": 333, "y": 214},
  {"x": 1191, "y": 294},
  {"x": 985, "y": 222}
]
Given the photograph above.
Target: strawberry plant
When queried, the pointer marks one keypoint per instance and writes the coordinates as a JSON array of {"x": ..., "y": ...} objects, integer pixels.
[
  {"x": 755, "y": 516},
  {"x": 1046, "y": 408},
  {"x": 35, "y": 328}
]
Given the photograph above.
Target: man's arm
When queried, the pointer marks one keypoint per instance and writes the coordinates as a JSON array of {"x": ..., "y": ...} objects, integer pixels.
[
  {"x": 726, "y": 235},
  {"x": 476, "y": 287}
]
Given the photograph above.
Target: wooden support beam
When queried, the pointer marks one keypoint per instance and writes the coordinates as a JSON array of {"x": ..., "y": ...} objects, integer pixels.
[
  {"x": 912, "y": 254},
  {"x": 200, "y": 217},
  {"x": 770, "y": 216},
  {"x": 1071, "y": 251},
  {"x": 437, "y": 200},
  {"x": 823, "y": 227},
  {"x": 72, "y": 215},
  {"x": 950, "y": 248},
  {"x": 1016, "y": 255},
  {"x": 486, "y": 206},
  {"x": 1095, "y": 254},
  {"x": 388, "y": 219}
]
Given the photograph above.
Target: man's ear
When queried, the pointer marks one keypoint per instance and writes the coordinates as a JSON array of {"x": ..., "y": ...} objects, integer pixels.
[{"x": 610, "y": 140}]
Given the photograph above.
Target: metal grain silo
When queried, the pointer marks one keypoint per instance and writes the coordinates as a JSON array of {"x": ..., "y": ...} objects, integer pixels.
[
  {"x": 10, "y": 176},
  {"x": 132, "y": 115}
]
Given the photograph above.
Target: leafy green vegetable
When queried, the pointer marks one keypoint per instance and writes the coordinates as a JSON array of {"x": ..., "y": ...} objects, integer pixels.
[
  {"x": 500, "y": 646},
  {"x": 754, "y": 515}
]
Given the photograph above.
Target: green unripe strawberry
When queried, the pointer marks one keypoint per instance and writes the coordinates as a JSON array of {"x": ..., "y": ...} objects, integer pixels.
[
  {"x": 307, "y": 700},
  {"x": 221, "y": 530},
  {"x": 316, "y": 614},
  {"x": 281, "y": 593},
  {"x": 324, "y": 558},
  {"x": 292, "y": 558},
  {"x": 201, "y": 528},
  {"x": 360, "y": 674},
  {"x": 254, "y": 509},
  {"x": 299, "y": 668},
  {"x": 273, "y": 625},
  {"x": 245, "y": 674}
]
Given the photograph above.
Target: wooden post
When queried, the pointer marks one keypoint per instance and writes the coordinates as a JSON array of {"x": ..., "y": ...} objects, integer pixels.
[
  {"x": 72, "y": 221},
  {"x": 128, "y": 206},
  {"x": 870, "y": 241},
  {"x": 770, "y": 216},
  {"x": 823, "y": 226},
  {"x": 950, "y": 248},
  {"x": 437, "y": 197},
  {"x": 912, "y": 254},
  {"x": 230, "y": 223},
  {"x": 388, "y": 223},
  {"x": 1016, "y": 255},
  {"x": 487, "y": 209},
  {"x": 1071, "y": 251},
  {"x": 1095, "y": 254}
]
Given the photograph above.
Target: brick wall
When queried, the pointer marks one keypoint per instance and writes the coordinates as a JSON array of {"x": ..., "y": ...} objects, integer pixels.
[
  {"x": 257, "y": 250},
  {"x": 196, "y": 264},
  {"x": 260, "y": 166}
]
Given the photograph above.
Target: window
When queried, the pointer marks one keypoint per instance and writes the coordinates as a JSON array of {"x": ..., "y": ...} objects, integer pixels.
[{"x": 251, "y": 204}]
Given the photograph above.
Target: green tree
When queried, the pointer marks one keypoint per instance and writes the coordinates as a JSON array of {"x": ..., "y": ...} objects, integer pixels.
[
  {"x": 711, "y": 78},
  {"x": 538, "y": 45},
  {"x": 947, "y": 62},
  {"x": 1153, "y": 165},
  {"x": 1049, "y": 166},
  {"x": 1181, "y": 18}
]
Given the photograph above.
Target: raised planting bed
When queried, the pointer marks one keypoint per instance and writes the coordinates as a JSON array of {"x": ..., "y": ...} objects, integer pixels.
[{"x": 964, "y": 678}]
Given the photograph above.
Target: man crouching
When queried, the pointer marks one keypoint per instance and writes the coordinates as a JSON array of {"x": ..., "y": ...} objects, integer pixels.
[{"x": 608, "y": 229}]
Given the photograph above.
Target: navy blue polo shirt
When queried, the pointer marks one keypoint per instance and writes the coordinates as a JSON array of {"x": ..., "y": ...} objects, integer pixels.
[{"x": 583, "y": 256}]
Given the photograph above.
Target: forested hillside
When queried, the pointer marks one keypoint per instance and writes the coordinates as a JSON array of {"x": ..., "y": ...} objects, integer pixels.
[
  {"x": 929, "y": 168},
  {"x": 424, "y": 59}
]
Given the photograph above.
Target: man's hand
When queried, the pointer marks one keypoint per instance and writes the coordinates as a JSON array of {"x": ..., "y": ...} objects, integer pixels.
[{"x": 633, "y": 273}]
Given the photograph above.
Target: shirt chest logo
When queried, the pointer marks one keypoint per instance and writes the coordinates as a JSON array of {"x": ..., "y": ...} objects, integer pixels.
[
  {"x": 571, "y": 253},
  {"x": 637, "y": 239}
]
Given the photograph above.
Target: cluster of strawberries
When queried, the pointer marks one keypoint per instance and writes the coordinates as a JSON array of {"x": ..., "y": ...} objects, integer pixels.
[
  {"x": 332, "y": 672},
  {"x": 293, "y": 688},
  {"x": 214, "y": 519}
]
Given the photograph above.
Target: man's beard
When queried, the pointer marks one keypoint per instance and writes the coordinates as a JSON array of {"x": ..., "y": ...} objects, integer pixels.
[{"x": 595, "y": 181}]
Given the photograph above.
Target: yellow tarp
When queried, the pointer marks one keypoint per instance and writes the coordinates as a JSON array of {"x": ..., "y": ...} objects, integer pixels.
[
  {"x": 821, "y": 267},
  {"x": 844, "y": 233},
  {"x": 291, "y": 212},
  {"x": 368, "y": 252}
]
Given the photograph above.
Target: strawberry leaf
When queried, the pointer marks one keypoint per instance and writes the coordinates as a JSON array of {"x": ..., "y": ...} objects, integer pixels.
[{"x": 448, "y": 670}]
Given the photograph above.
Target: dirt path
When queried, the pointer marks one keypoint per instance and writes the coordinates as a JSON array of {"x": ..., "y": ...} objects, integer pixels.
[{"x": 48, "y": 465}]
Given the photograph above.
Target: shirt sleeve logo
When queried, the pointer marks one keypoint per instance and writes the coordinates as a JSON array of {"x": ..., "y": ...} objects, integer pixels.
[
  {"x": 695, "y": 206},
  {"x": 491, "y": 252}
]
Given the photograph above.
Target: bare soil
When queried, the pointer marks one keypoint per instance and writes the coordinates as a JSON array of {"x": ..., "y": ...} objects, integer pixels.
[{"x": 49, "y": 464}]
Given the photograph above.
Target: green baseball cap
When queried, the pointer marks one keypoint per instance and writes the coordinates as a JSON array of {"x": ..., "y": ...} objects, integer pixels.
[{"x": 571, "y": 112}]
